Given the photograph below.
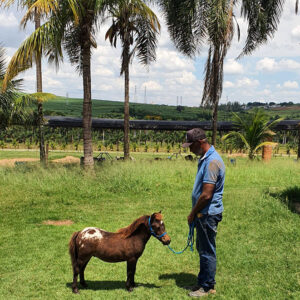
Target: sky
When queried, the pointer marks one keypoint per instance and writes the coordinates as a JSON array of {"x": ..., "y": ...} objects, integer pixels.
[{"x": 271, "y": 73}]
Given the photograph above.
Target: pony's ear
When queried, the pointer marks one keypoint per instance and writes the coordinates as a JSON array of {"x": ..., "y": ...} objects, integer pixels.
[{"x": 159, "y": 212}]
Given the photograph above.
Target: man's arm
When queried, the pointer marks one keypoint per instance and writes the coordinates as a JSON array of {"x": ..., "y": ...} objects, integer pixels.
[{"x": 206, "y": 195}]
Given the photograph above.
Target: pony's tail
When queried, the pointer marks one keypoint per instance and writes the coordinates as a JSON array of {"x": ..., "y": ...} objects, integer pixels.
[{"x": 73, "y": 249}]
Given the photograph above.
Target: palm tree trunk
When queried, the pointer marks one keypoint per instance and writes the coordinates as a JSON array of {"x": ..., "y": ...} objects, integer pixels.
[
  {"x": 39, "y": 89},
  {"x": 87, "y": 97},
  {"x": 216, "y": 96},
  {"x": 126, "y": 103},
  {"x": 215, "y": 122}
]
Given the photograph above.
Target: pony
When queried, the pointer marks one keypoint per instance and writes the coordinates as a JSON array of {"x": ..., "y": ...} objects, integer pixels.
[{"x": 127, "y": 244}]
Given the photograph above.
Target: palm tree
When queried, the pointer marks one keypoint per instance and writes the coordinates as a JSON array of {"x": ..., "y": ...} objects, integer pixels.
[
  {"x": 255, "y": 130},
  {"x": 191, "y": 23},
  {"x": 136, "y": 25},
  {"x": 41, "y": 8},
  {"x": 13, "y": 110},
  {"x": 71, "y": 25}
]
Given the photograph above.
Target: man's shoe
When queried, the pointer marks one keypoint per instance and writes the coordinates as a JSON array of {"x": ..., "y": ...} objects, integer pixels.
[{"x": 201, "y": 292}]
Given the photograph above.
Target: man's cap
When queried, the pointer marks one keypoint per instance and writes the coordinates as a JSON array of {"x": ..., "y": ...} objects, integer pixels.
[{"x": 194, "y": 135}]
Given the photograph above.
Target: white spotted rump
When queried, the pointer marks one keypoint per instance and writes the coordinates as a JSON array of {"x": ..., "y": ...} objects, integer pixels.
[{"x": 91, "y": 233}]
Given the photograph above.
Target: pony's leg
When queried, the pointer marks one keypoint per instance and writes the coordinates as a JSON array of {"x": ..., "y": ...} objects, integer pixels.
[
  {"x": 131, "y": 266},
  {"x": 76, "y": 271},
  {"x": 75, "y": 276},
  {"x": 82, "y": 280}
]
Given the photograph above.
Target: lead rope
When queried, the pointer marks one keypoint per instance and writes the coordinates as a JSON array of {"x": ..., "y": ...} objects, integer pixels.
[{"x": 190, "y": 240}]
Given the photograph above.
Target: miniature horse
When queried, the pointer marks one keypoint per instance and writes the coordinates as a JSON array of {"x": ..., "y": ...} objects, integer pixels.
[{"x": 127, "y": 244}]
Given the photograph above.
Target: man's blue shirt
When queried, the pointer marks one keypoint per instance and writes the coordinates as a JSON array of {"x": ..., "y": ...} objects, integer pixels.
[{"x": 211, "y": 169}]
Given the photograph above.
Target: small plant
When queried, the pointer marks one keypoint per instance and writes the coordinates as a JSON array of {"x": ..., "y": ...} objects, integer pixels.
[
  {"x": 15, "y": 143},
  {"x": 156, "y": 148},
  {"x": 64, "y": 146},
  {"x": 146, "y": 148},
  {"x": 111, "y": 147},
  {"x": 2, "y": 145},
  {"x": 76, "y": 145},
  {"x": 288, "y": 149},
  {"x": 168, "y": 148},
  {"x": 52, "y": 145},
  {"x": 28, "y": 144},
  {"x": 99, "y": 146},
  {"x": 134, "y": 146}
]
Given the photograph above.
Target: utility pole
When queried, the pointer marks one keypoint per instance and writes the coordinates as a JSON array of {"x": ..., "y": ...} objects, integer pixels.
[
  {"x": 134, "y": 99},
  {"x": 145, "y": 95}
]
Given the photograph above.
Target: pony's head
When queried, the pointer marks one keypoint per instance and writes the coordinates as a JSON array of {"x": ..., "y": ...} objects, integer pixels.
[{"x": 157, "y": 228}]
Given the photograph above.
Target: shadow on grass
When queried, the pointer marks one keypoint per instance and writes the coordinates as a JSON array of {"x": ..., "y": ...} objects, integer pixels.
[
  {"x": 110, "y": 285},
  {"x": 289, "y": 197},
  {"x": 182, "y": 280}
]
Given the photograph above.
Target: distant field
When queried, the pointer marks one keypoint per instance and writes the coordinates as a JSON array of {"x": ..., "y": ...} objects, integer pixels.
[{"x": 113, "y": 109}]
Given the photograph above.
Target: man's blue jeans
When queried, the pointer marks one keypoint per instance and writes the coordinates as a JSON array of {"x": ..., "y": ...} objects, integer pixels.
[{"x": 206, "y": 227}]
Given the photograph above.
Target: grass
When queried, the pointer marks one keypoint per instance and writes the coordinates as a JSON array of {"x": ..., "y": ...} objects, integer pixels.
[{"x": 257, "y": 244}]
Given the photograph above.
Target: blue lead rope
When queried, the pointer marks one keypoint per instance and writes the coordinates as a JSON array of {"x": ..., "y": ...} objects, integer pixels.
[{"x": 190, "y": 241}]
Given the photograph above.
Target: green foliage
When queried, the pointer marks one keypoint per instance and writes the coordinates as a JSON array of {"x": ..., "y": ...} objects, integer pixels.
[
  {"x": 2, "y": 144},
  {"x": 254, "y": 131}
]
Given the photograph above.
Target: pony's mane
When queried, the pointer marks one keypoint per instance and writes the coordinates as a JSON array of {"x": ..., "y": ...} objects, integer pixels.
[{"x": 129, "y": 230}]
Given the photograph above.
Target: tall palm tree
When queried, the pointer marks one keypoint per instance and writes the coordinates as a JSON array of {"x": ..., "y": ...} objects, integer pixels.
[
  {"x": 136, "y": 25},
  {"x": 71, "y": 25},
  {"x": 41, "y": 8},
  {"x": 191, "y": 23},
  {"x": 254, "y": 131}
]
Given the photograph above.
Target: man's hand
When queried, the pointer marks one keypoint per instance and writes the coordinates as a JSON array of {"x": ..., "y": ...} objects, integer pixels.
[{"x": 190, "y": 217}]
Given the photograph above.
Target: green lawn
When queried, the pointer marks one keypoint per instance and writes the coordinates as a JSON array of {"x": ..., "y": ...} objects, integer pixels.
[{"x": 258, "y": 244}]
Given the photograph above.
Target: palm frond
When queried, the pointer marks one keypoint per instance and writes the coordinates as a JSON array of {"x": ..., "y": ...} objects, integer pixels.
[
  {"x": 32, "y": 46},
  {"x": 186, "y": 21},
  {"x": 263, "y": 19}
]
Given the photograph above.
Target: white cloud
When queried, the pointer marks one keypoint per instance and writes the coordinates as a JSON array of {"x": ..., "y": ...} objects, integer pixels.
[
  {"x": 291, "y": 85},
  {"x": 187, "y": 78},
  {"x": 8, "y": 20},
  {"x": 266, "y": 64},
  {"x": 247, "y": 82},
  {"x": 152, "y": 86},
  {"x": 228, "y": 84},
  {"x": 296, "y": 32},
  {"x": 271, "y": 65},
  {"x": 288, "y": 64},
  {"x": 233, "y": 67}
]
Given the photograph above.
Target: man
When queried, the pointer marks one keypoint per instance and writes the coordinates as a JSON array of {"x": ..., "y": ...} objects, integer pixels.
[{"x": 207, "y": 207}]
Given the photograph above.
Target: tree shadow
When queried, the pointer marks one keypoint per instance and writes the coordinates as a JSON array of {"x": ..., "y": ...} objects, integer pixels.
[
  {"x": 110, "y": 285},
  {"x": 289, "y": 197},
  {"x": 182, "y": 280}
]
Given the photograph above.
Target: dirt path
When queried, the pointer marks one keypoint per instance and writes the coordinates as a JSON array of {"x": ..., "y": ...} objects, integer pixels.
[{"x": 11, "y": 162}]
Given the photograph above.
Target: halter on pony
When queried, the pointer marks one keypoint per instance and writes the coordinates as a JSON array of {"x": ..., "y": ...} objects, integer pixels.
[
  {"x": 190, "y": 239},
  {"x": 153, "y": 232}
]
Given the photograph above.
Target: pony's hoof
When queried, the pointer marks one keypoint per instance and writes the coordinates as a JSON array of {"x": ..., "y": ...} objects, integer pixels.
[
  {"x": 75, "y": 291},
  {"x": 84, "y": 284}
]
